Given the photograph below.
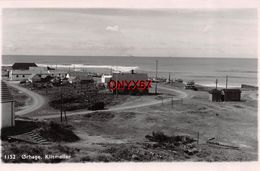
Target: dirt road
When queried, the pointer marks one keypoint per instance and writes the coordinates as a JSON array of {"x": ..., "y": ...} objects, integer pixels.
[
  {"x": 180, "y": 95},
  {"x": 37, "y": 100}
]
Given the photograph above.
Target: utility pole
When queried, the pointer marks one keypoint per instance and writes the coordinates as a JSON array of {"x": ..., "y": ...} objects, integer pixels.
[
  {"x": 226, "y": 82},
  {"x": 216, "y": 83},
  {"x": 169, "y": 77},
  {"x": 61, "y": 101},
  {"x": 156, "y": 70},
  {"x": 116, "y": 85}
]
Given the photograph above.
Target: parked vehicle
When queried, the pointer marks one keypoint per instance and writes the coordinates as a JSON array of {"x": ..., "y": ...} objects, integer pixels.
[{"x": 191, "y": 86}]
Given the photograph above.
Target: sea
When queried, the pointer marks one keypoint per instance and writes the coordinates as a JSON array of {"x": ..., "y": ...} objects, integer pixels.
[{"x": 203, "y": 71}]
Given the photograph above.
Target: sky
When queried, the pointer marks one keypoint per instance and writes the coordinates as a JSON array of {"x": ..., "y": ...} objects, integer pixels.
[{"x": 230, "y": 33}]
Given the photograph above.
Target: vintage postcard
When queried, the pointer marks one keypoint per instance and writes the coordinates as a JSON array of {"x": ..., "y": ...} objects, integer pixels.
[{"x": 94, "y": 85}]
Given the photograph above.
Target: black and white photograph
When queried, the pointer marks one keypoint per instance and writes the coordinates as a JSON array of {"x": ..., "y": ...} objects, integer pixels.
[{"x": 84, "y": 85}]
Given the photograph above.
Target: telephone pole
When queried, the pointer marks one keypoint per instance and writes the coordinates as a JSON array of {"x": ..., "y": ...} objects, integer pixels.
[
  {"x": 116, "y": 85},
  {"x": 226, "y": 82},
  {"x": 156, "y": 70},
  {"x": 61, "y": 101}
]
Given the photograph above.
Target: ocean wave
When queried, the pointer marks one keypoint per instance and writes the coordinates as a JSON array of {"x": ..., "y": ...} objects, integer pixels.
[
  {"x": 81, "y": 66},
  {"x": 221, "y": 85},
  {"x": 240, "y": 71},
  {"x": 223, "y": 77}
]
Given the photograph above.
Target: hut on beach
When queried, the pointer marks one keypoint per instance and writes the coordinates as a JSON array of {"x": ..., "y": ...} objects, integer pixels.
[
  {"x": 215, "y": 95},
  {"x": 225, "y": 95},
  {"x": 231, "y": 95}
]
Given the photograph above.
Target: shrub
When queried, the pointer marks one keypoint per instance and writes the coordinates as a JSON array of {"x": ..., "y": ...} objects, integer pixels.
[{"x": 58, "y": 132}]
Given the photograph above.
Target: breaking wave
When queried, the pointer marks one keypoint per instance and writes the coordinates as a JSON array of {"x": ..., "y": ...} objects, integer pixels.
[{"x": 81, "y": 66}]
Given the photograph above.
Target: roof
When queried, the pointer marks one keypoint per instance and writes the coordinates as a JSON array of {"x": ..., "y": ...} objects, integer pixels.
[
  {"x": 214, "y": 91},
  {"x": 57, "y": 72},
  {"x": 129, "y": 76},
  {"x": 231, "y": 90},
  {"x": 23, "y": 66},
  {"x": 5, "y": 93},
  {"x": 84, "y": 77},
  {"x": 106, "y": 76}
]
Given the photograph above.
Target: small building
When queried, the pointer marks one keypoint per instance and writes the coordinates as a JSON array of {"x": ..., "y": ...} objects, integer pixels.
[
  {"x": 231, "y": 95},
  {"x": 85, "y": 79},
  {"x": 23, "y": 66},
  {"x": 225, "y": 95},
  {"x": 7, "y": 102},
  {"x": 215, "y": 95},
  {"x": 248, "y": 87},
  {"x": 58, "y": 73},
  {"x": 119, "y": 77},
  {"x": 105, "y": 78},
  {"x": 19, "y": 75}
]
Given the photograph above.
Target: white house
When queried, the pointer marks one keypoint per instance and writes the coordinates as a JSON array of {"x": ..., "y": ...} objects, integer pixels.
[
  {"x": 105, "y": 78},
  {"x": 18, "y": 75},
  {"x": 7, "y": 102},
  {"x": 59, "y": 73},
  {"x": 24, "y": 71}
]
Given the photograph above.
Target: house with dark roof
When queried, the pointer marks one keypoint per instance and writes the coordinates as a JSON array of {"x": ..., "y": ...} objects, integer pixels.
[
  {"x": 21, "y": 71},
  {"x": 19, "y": 75},
  {"x": 7, "y": 104},
  {"x": 23, "y": 66}
]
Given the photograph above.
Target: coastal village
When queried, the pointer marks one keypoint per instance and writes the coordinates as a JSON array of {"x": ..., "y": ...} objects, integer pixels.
[{"x": 75, "y": 113}]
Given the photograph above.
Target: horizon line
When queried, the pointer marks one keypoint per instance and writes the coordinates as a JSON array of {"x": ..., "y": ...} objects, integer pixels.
[{"x": 140, "y": 56}]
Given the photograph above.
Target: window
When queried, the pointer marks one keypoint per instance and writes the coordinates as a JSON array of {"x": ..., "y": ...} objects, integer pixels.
[
  {"x": 23, "y": 76},
  {"x": 17, "y": 76}
]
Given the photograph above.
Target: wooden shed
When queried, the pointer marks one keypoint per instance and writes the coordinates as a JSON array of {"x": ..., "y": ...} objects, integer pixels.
[
  {"x": 231, "y": 95},
  {"x": 215, "y": 95}
]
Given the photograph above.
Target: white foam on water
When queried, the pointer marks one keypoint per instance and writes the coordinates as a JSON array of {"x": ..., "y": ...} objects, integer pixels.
[
  {"x": 81, "y": 66},
  {"x": 220, "y": 85}
]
